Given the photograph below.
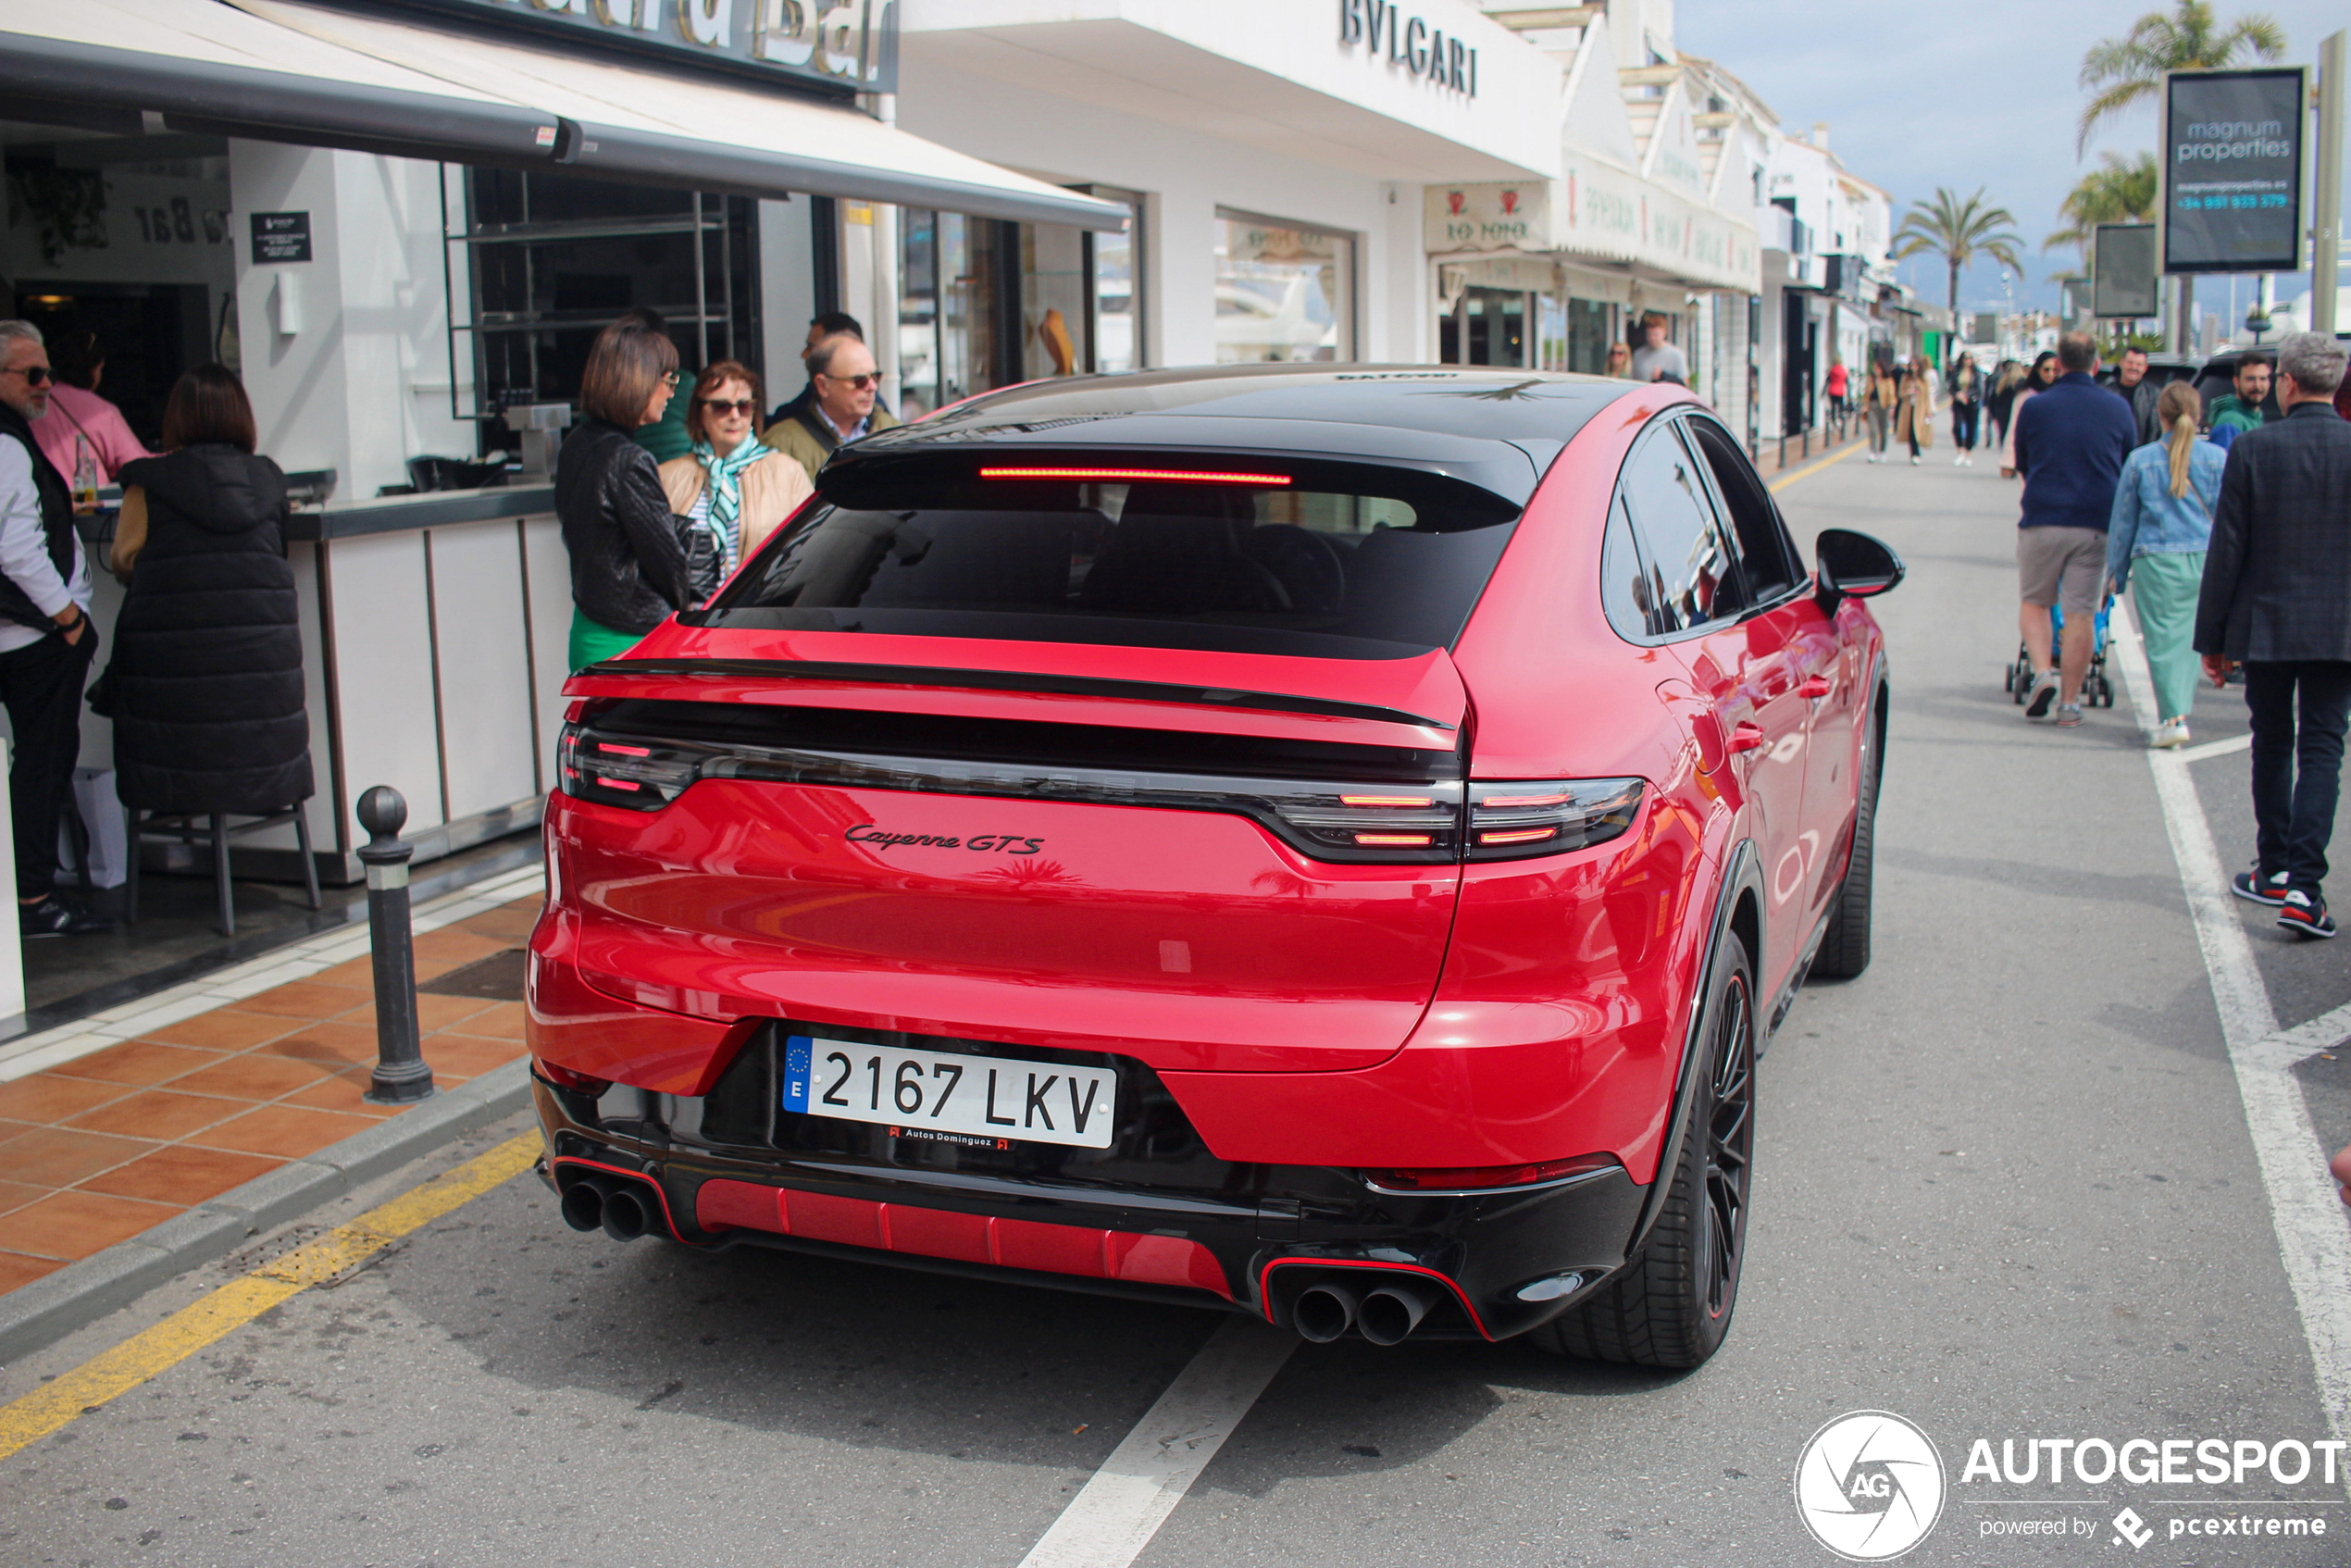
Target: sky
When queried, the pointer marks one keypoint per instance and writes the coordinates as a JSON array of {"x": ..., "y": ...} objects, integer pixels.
[{"x": 1984, "y": 92}]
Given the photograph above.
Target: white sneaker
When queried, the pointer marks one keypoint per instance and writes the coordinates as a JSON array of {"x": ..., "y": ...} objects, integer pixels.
[
  {"x": 1959, "y": 462},
  {"x": 1914, "y": 459},
  {"x": 2169, "y": 733}
]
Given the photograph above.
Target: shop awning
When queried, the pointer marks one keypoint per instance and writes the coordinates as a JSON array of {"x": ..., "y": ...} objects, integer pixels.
[{"x": 294, "y": 72}]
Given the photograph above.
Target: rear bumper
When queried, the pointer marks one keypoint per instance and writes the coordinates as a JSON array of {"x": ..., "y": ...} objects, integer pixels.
[{"x": 1244, "y": 1238}]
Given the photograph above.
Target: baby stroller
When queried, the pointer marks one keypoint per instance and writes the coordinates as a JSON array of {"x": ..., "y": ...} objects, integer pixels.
[{"x": 2098, "y": 692}]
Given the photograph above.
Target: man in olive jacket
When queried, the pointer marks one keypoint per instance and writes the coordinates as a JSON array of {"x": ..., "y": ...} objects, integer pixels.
[
  {"x": 2277, "y": 599},
  {"x": 840, "y": 370}
]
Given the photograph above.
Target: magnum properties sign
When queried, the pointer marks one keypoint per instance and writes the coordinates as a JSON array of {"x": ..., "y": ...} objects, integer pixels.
[
  {"x": 2233, "y": 170},
  {"x": 851, "y": 48}
]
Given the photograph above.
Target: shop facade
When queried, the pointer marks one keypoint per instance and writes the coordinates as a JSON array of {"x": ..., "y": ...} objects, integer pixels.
[{"x": 403, "y": 226}]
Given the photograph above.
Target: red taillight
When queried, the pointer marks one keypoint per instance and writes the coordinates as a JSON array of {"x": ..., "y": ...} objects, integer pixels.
[
  {"x": 1475, "y": 1179},
  {"x": 1136, "y": 475},
  {"x": 1395, "y": 840},
  {"x": 1509, "y": 821},
  {"x": 1423, "y": 800},
  {"x": 607, "y": 746},
  {"x": 1522, "y": 836},
  {"x": 579, "y": 1083}
]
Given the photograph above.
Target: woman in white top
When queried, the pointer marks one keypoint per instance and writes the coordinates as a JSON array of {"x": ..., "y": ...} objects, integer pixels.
[
  {"x": 730, "y": 483},
  {"x": 2043, "y": 372}
]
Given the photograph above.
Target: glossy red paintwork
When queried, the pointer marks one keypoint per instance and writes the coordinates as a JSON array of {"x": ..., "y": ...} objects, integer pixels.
[
  {"x": 1355, "y": 1016},
  {"x": 1135, "y": 1258}
]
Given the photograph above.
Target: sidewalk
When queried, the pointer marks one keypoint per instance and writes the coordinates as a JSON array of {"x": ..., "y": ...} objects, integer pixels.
[{"x": 128, "y": 1118}]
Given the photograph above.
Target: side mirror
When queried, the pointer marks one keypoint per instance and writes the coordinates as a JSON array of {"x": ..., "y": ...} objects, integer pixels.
[{"x": 1852, "y": 566}]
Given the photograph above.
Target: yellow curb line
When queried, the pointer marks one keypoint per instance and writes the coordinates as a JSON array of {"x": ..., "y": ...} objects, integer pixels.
[
  {"x": 158, "y": 1350},
  {"x": 1811, "y": 469}
]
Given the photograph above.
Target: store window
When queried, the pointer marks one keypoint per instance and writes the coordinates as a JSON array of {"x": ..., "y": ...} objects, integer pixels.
[
  {"x": 986, "y": 303},
  {"x": 555, "y": 258},
  {"x": 1487, "y": 328},
  {"x": 1285, "y": 294},
  {"x": 1588, "y": 333}
]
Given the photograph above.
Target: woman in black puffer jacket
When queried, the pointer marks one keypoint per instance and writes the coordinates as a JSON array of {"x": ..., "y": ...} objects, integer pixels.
[
  {"x": 206, "y": 684},
  {"x": 628, "y": 571}
]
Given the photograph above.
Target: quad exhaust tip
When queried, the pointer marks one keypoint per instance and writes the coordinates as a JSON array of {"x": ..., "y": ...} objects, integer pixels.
[
  {"x": 1386, "y": 1314},
  {"x": 622, "y": 1210}
]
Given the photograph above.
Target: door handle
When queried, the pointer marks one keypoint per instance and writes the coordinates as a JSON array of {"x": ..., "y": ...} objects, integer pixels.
[
  {"x": 1746, "y": 737},
  {"x": 1815, "y": 687}
]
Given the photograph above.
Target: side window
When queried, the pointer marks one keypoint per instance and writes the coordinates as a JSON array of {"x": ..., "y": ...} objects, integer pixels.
[
  {"x": 1767, "y": 556},
  {"x": 1625, "y": 590},
  {"x": 1693, "y": 576}
]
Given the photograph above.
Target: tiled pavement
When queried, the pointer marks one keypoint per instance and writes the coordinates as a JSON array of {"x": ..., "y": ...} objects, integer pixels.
[{"x": 97, "y": 1148}]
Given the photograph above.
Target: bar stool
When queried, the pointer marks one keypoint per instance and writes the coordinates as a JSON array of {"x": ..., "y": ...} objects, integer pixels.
[{"x": 189, "y": 827}]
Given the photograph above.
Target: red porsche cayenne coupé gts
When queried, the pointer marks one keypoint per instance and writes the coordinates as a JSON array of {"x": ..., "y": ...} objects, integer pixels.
[{"x": 1327, "y": 841}]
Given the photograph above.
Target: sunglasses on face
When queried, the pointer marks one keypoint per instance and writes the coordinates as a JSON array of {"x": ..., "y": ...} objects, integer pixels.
[
  {"x": 34, "y": 375},
  {"x": 724, "y": 406},
  {"x": 669, "y": 378},
  {"x": 871, "y": 378}
]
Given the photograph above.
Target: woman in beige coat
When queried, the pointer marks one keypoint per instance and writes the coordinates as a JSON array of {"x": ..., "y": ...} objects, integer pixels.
[
  {"x": 1914, "y": 417},
  {"x": 730, "y": 483}
]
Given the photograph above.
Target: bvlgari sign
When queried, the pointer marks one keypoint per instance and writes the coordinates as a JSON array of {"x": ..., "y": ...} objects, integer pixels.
[
  {"x": 847, "y": 46},
  {"x": 1383, "y": 30}
]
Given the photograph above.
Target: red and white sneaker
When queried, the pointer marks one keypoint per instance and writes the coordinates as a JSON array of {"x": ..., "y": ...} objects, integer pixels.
[
  {"x": 2305, "y": 915},
  {"x": 2253, "y": 886}
]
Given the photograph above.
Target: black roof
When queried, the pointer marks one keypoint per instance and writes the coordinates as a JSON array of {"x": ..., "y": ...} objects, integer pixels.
[{"x": 1496, "y": 429}]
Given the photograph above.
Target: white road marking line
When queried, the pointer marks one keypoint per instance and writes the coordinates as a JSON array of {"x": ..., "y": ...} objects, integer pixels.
[
  {"x": 2314, "y": 1242},
  {"x": 1109, "y": 1523},
  {"x": 2214, "y": 748}
]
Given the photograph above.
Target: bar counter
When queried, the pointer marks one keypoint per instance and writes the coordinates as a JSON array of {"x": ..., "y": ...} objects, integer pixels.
[{"x": 434, "y": 632}]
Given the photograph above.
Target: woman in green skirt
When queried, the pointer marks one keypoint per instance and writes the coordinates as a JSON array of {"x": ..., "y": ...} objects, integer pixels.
[
  {"x": 2161, "y": 521},
  {"x": 629, "y": 570}
]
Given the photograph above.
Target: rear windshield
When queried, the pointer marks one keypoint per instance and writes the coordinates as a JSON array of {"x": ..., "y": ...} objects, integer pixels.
[{"x": 1238, "y": 566}]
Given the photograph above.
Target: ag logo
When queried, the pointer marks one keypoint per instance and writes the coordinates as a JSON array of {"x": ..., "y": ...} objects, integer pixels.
[{"x": 1869, "y": 1486}]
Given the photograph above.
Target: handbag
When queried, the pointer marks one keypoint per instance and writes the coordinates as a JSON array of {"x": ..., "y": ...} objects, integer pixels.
[{"x": 705, "y": 558}]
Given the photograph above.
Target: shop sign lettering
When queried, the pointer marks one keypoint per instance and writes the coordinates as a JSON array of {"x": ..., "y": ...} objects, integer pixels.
[
  {"x": 850, "y": 46},
  {"x": 1407, "y": 43},
  {"x": 1488, "y": 216}
]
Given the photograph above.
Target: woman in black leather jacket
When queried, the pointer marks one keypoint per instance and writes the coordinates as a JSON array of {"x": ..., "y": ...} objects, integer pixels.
[{"x": 628, "y": 571}]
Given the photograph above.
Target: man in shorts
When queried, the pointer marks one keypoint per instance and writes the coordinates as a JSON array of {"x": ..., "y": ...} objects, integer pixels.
[{"x": 2071, "y": 440}]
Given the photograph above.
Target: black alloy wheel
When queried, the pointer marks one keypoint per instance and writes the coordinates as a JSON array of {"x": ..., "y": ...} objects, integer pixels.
[
  {"x": 1730, "y": 1149},
  {"x": 1671, "y": 1305}
]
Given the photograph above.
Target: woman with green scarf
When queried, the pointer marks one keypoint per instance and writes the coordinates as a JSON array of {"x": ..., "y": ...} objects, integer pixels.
[{"x": 730, "y": 483}]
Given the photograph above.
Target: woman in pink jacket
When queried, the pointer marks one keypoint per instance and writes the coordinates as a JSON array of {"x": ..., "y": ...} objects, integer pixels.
[{"x": 83, "y": 428}]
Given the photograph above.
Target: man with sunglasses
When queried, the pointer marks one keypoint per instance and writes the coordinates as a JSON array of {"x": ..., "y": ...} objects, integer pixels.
[
  {"x": 46, "y": 639},
  {"x": 841, "y": 373}
]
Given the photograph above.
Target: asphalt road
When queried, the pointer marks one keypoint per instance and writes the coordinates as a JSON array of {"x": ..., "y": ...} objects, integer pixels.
[{"x": 2005, "y": 1189}]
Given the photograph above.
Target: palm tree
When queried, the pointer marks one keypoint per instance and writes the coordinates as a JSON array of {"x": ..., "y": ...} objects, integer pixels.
[
  {"x": 2128, "y": 69},
  {"x": 2123, "y": 191},
  {"x": 1959, "y": 230}
]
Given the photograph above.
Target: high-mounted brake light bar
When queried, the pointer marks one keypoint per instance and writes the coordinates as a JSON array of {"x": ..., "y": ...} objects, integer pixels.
[{"x": 1135, "y": 476}]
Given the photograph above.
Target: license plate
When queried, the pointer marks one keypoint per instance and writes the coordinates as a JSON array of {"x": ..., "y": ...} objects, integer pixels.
[{"x": 930, "y": 1092}]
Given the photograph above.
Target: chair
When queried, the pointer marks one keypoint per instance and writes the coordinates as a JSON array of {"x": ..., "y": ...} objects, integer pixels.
[{"x": 186, "y": 828}]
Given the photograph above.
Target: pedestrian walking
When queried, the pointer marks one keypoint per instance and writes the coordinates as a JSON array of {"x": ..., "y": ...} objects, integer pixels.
[
  {"x": 204, "y": 686},
  {"x": 2277, "y": 600},
  {"x": 731, "y": 483},
  {"x": 84, "y": 434},
  {"x": 2162, "y": 522},
  {"x": 630, "y": 569},
  {"x": 1999, "y": 400},
  {"x": 2131, "y": 385},
  {"x": 1879, "y": 400},
  {"x": 1656, "y": 359},
  {"x": 2037, "y": 379},
  {"x": 1834, "y": 386},
  {"x": 1914, "y": 411},
  {"x": 2071, "y": 443},
  {"x": 1967, "y": 409},
  {"x": 46, "y": 636},
  {"x": 848, "y": 406},
  {"x": 2239, "y": 410}
]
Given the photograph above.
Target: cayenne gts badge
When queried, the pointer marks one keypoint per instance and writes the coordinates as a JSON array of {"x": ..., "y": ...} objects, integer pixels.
[{"x": 1002, "y": 844}]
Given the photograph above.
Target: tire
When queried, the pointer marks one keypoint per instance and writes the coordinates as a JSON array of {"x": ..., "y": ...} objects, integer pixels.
[
  {"x": 1672, "y": 1305},
  {"x": 1844, "y": 952}
]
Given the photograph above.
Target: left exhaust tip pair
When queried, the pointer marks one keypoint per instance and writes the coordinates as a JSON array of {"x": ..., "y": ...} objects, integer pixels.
[
  {"x": 1386, "y": 1314},
  {"x": 623, "y": 1210}
]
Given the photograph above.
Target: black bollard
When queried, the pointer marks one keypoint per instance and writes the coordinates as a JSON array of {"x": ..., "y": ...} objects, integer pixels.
[{"x": 401, "y": 1074}]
